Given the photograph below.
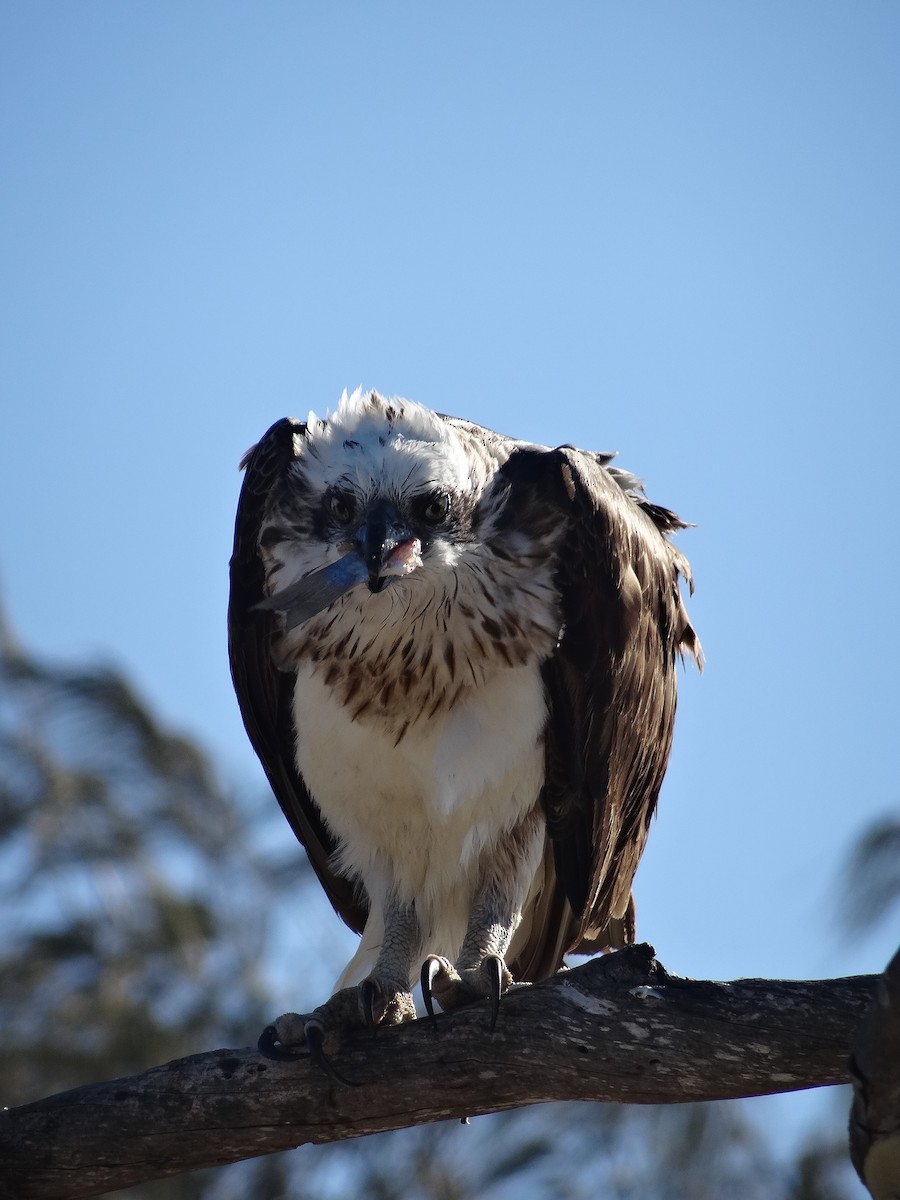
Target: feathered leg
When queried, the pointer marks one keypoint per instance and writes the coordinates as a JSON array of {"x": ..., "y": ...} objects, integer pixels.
[
  {"x": 480, "y": 971},
  {"x": 383, "y": 997}
]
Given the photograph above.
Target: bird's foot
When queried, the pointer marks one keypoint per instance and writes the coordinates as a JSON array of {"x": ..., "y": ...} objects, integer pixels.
[
  {"x": 374, "y": 1002},
  {"x": 453, "y": 987},
  {"x": 382, "y": 1003}
]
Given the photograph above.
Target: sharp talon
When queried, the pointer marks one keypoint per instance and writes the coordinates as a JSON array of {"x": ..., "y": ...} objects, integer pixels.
[
  {"x": 315, "y": 1038},
  {"x": 270, "y": 1047},
  {"x": 368, "y": 994},
  {"x": 430, "y": 968},
  {"x": 495, "y": 966}
]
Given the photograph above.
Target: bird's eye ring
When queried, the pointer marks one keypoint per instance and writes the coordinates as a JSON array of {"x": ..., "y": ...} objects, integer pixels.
[
  {"x": 434, "y": 508},
  {"x": 341, "y": 506}
]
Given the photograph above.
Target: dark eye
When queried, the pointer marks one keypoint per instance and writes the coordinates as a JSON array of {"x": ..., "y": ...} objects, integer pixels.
[
  {"x": 342, "y": 506},
  {"x": 434, "y": 508}
]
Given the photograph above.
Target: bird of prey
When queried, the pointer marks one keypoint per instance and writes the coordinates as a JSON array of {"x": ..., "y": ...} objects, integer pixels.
[{"x": 454, "y": 653}]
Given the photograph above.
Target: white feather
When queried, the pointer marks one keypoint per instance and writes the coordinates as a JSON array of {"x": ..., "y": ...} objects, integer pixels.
[
  {"x": 391, "y": 447},
  {"x": 415, "y": 817}
]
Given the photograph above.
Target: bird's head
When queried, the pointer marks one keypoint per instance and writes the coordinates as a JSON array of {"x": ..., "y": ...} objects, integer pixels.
[
  {"x": 392, "y": 484},
  {"x": 384, "y": 489}
]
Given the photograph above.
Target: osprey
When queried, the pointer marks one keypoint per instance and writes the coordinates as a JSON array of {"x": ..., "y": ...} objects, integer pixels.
[{"x": 454, "y": 654}]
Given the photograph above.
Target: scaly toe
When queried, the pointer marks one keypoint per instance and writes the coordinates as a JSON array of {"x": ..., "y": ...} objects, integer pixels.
[
  {"x": 281, "y": 1041},
  {"x": 270, "y": 1046},
  {"x": 452, "y": 987},
  {"x": 385, "y": 1003},
  {"x": 276, "y": 1040}
]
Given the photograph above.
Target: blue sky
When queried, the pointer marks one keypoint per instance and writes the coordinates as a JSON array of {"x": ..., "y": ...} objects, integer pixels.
[{"x": 667, "y": 230}]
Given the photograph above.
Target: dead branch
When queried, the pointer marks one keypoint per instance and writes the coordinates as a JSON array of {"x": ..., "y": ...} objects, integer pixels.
[
  {"x": 618, "y": 1028},
  {"x": 875, "y": 1067}
]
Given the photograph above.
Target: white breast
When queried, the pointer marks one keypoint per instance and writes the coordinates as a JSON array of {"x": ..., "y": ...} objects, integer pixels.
[{"x": 414, "y": 815}]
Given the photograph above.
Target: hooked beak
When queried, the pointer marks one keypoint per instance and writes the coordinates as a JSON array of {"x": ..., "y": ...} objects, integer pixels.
[
  {"x": 384, "y": 547},
  {"x": 382, "y": 531}
]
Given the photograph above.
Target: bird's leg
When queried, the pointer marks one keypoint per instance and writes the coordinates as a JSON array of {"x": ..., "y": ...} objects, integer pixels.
[
  {"x": 383, "y": 997},
  {"x": 384, "y": 994},
  {"x": 480, "y": 971}
]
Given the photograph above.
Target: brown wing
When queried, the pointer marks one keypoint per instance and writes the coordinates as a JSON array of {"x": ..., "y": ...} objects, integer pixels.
[
  {"x": 264, "y": 694},
  {"x": 611, "y": 693}
]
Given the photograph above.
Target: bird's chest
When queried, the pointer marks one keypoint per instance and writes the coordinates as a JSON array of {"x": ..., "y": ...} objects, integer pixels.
[
  {"x": 430, "y": 801},
  {"x": 404, "y": 657}
]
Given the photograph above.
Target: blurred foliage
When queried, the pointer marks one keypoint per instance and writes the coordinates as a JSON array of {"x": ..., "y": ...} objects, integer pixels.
[
  {"x": 120, "y": 864},
  {"x": 137, "y": 895},
  {"x": 134, "y": 908},
  {"x": 872, "y": 875}
]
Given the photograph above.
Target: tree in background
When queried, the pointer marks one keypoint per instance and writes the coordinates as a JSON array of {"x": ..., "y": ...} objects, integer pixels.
[
  {"x": 137, "y": 894},
  {"x": 134, "y": 907}
]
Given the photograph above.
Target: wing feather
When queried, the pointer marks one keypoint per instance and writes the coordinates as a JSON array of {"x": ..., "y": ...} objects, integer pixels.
[
  {"x": 264, "y": 694},
  {"x": 610, "y": 686}
]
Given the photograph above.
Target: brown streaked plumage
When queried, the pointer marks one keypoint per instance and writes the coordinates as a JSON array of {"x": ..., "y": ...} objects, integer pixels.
[{"x": 550, "y": 573}]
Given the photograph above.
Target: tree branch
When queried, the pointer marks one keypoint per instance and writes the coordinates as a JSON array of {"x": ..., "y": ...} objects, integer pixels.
[
  {"x": 875, "y": 1067},
  {"x": 618, "y": 1028}
]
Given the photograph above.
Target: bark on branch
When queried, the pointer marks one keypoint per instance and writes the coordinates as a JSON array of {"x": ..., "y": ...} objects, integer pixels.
[
  {"x": 618, "y": 1028},
  {"x": 875, "y": 1067}
]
